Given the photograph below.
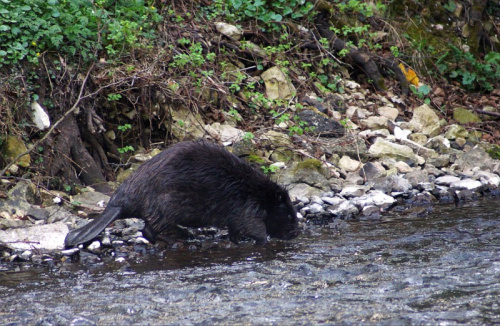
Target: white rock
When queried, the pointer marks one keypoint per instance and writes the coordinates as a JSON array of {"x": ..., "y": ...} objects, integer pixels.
[
  {"x": 402, "y": 167},
  {"x": 316, "y": 200},
  {"x": 345, "y": 208},
  {"x": 94, "y": 245},
  {"x": 316, "y": 208},
  {"x": 401, "y": 134},
  {"x": 348, "y": 164},
  {"x": 390, "y": 113},
  {"x": 353, "y": 191},
  {"x": 352, "y": 85},
  {"x": 39, "y": 116},
  {"x": 488, "y": 178},
  {"x": 229, "y": 30},
  {"x": 332, "y": 200},
  {"x": 470, "y": 184},
  {"x": 42, "y": 237},
  {"x": 446, "y": 180}
]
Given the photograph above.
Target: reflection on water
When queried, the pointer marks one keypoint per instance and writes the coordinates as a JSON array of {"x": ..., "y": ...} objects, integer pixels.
[{"x": 441, "y": 267}]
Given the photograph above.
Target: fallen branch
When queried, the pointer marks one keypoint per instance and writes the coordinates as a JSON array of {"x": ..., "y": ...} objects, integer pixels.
[{"x": 73, "y": 108}]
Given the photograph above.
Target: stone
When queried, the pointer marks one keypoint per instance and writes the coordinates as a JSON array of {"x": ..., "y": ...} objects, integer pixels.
[
  {"x": 323, "y": 125},
  {"x": 417, "y": 176},
  {"x": 464, "y": 116},
  {"x": 91, "y": 201},
  {"x": 332, "y": 200},
  {"x": 488, "y": 178},
  {"x": 446, "y": 180},
  {"x": 12, "y": 147},
  {"x": 401, "y": 134},
  {"x": 468, "y": 183},
  {"x": 353, "y": 191},
  {"x": 426, "y": 121},
  {"x": 277, "y": 86},
  {"x": 376, "y": 122},
  {"x": 225, "y": 133},
  {"x": 185, "y": 125},
  {"x": 390, "y": 113},
  {"x": 143, "y": 157},
  {"x": 440, "y": 161},
  {"x": 374, "y": 197},
  {"x": 383, "y": 148},
  {"x": 402, "y": 167},
  {"x": 476, "y": 157},
  {"x": 346, "y": 208},
  {"x": 348, "y": 164},
  {"x": 418, "y": 138},
  {"x": 299, "y": 190},
  {"x": 372, "y": 170},
  {"x": 39, "y": 237},
  {"x": 40, "y": 118},
  {"x": 229, "y": 30},
  {"x": 456, "y": 131}
]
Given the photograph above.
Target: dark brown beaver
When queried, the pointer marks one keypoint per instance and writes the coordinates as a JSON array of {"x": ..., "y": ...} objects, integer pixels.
[{"x": 197, "y": 184}]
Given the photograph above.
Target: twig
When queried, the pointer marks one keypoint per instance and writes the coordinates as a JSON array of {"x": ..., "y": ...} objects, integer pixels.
[{"x": 73, "y": 108}]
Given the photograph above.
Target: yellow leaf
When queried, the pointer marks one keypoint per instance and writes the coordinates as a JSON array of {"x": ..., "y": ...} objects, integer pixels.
[{"x": 410, "y": 74}]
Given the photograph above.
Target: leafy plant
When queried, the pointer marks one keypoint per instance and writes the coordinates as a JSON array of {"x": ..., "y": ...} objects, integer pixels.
[
  {"x": 269, "y": 169},
  {"x": 28, "y": 28},
  {"x": 269, "y": 12},
  {"x": 470, "y": 72}
]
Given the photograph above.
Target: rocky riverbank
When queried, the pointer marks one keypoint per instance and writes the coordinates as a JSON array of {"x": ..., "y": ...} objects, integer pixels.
[{"x": 372, "y": 164}]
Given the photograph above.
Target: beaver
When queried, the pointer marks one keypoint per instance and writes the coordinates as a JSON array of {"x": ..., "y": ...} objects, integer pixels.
[{"x": 198, "y": 184}]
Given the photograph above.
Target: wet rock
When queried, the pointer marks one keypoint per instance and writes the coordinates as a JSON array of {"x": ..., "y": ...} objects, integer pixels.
[
  {"x": 374, "y": 197},
  {"x": 345, "y": 209},
  {"x": 41, "y": 237}
]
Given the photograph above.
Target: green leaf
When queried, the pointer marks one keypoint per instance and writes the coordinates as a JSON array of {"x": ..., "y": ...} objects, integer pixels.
[{"x": 4, "y": 28}]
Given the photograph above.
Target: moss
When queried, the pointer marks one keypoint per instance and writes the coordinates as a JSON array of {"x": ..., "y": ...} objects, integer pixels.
[
  {"x": 312, "y": 164},
  {"x": 494, "y": 152},
  {"x": 252, "y": 158}
]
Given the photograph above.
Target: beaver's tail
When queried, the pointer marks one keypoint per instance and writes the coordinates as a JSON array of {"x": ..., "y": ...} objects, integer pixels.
[{"x": 91, "y": 230}]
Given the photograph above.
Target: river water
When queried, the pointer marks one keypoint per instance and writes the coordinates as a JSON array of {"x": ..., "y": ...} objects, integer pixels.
[{"x": 440, "y": 267}]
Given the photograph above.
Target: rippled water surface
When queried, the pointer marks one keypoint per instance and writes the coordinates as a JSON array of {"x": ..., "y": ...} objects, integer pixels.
[{"x": 442, "y": 268}]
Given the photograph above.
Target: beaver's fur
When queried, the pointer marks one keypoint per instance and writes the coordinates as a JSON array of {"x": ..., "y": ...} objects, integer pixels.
[{"x": 197, "y": 184}]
